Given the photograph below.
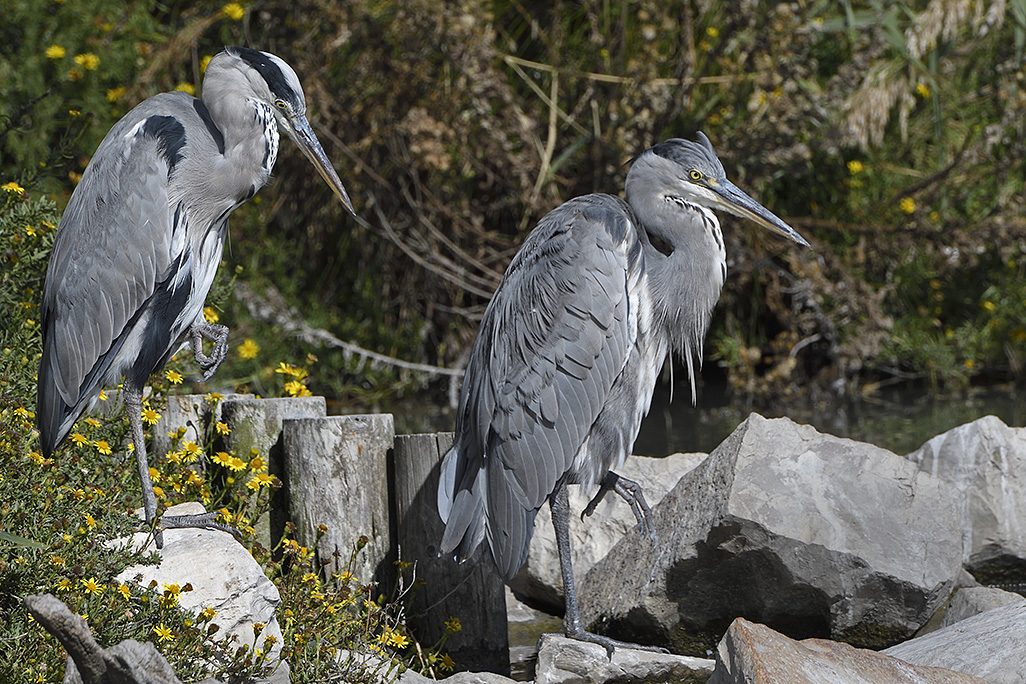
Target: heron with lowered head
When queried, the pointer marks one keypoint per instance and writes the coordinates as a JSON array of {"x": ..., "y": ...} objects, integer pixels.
[
  {"x": 140, "y": 241},
  {"x": 569, "y": 349}
]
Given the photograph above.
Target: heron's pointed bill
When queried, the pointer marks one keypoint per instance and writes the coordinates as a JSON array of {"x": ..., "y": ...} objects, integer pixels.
[
  {"x": 304, "y": 136},
  {"x": 731, "y": 198}
]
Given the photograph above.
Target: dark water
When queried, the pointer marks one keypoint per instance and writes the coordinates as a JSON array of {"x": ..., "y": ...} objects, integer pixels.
[{"x": 899, "y": 418}]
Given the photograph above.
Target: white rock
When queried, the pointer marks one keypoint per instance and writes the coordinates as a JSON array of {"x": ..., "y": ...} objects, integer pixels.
[
  {"x": 223, "y": 576},
  {"x": 567, "y": 661}
]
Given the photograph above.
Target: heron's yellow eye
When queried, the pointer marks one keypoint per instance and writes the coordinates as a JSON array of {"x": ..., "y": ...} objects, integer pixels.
[
  {"x": 696, "y": 175},
  {"x": 281, "y": 104}
]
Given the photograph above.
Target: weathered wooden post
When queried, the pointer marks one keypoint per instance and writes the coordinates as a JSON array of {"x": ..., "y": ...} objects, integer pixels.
[
  {"x": 195, "y": 412},
  {"x": 257, "y": 424},
  {"x": 470, "y": 591},
  {"x": 336, "y": 474}
]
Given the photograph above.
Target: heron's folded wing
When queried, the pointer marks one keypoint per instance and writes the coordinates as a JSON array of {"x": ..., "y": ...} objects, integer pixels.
[
  {"x": 556, "y": 335},
  {"x": 112, "y": 247}
]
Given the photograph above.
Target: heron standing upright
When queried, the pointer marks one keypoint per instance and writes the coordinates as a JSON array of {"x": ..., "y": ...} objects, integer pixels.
[
  {"x": 142, "y": 236},
  {"x": 568, "y": 352}
]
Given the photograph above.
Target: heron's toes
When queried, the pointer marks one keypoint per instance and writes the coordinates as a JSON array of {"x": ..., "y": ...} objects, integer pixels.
[
  {"x": 611, "y": 644},
  {"x": 203, "y": 521}
]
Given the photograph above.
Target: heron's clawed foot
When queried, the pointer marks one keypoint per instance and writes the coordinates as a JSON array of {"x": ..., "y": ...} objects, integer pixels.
[
  {"x": 218, "y": 334},
  {"x": 203, "y": 521},
  {"x": 610, "y": 644},
  {"x": 629, "y": 491}
]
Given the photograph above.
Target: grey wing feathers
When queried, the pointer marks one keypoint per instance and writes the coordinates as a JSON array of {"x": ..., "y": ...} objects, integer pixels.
[
  {"x": 112, "y": 247},
  {"x": 554, "y": 338}
]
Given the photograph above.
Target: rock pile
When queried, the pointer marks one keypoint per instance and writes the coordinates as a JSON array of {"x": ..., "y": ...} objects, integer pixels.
[{"x": 782, "y": 556}]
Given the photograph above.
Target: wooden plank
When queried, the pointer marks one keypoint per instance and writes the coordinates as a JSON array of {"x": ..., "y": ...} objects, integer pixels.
[
  {"x": 470, "y": 591},
  {"x": 336, "y": 474}
]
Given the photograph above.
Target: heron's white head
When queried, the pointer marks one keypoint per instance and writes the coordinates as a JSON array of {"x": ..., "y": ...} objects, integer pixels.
[
  {"x": 268, "y": 79},
  {"x": 692, "y": 171}
]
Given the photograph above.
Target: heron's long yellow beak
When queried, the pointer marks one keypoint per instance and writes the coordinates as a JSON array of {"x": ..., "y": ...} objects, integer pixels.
[
  {"x": 304, "y": 136},
  {"x": 731, "y": 198}
]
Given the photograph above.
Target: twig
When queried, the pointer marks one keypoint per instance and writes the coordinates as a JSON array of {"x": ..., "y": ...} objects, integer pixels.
[{"x": 289, "y": 319}]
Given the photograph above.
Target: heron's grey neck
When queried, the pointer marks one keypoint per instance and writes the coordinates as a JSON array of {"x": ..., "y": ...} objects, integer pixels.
[
  {"x": 249, "y": 129},
  {"x": 685, "y": 263}
]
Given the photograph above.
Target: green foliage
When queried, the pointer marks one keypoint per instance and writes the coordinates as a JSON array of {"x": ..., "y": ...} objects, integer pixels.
[{"x": 64, "y": 70}]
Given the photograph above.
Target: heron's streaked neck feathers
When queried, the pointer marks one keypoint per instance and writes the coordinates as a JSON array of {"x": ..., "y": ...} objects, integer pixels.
[{"x": 684, "y": 261}]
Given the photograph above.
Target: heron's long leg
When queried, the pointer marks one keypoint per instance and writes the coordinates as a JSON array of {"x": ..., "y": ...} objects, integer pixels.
[
  {"x": 219, "y": 335},
  {"x": 133, "y": 404},
  {"x": 629, "y": 491},
  {"x": 572, "y": 625}
]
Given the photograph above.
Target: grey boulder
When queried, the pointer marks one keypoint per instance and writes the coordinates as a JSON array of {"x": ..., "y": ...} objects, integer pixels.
[
  {"x": 985, "y": 460},
  {"x": 755, "y": 654},
  {"x": 990, "y": 645},
  {"x": 808, "y": 533},
  {"x": 593, "y": 537}
]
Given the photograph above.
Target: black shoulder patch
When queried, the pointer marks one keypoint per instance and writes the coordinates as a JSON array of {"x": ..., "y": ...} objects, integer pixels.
[
  {"x": 170, "y": 136},
  {"x": 204, "y": 115},
  {"x": 270, "y": 72}
]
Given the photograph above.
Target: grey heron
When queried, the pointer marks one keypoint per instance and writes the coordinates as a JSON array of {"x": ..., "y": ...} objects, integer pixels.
[
  {"x": 140, "y": 241},
  {"x": 569, "y": 348}
]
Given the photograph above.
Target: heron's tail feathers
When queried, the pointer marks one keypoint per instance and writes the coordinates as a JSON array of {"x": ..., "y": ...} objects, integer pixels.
[
  {"x": 53, "y": 415},
  {"x": 461, "y": 505}
]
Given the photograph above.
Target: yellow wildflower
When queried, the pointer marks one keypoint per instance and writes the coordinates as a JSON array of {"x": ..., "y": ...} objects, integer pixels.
[
  {"x": 204, "y": 62},
  {"x": 447, "y": 663},
  {"x": 92, "y": 422},
  {"x": 398, "y": 640},
  {"x": 712, "y": 32},
  {"x": 90, "y": 521},
  {"x": 88, "y": 61},
  {"x": 295, "y": 388},
  {"x": 13, "y": 187},
  {"x": 149, "y": 416},
  {"x": 208, "y": 614},
  {"x": 115, "y": 94},
  {"x": 256, "y": 463},
  {"x": 969, "y": 364},
  {"x": 173, "y": 376},
  {"x": 222, "y": 458},
  {"x": 233, "y": 10},
  {"x": 163, "y": 633},
  {"x": 103, "y": 395},
  {"x": 855, "y": 167},
  {"x": 922, "y": 90},
  {"x": 908, "y": 205},
  {"x": 989, "y": 306},
  {"x": 208, "y": 312},
  {"x": 55, "y": 52},
  {"x": 186, "y": 87},
  {"x": 103, "y": 447},
  {"x": 64, "y": 585},
  {"x": 91, "y": 586},
  {"x": 249, "y": 349},
  {"x": 191, "y": 449},
  {"x": 222, "y": 428},
  {"x": 125, "y": 591},
  {"x": 30, "y": 231},
  {"x": 236, "y": 464},
  {"x": 453, "y": 625}
]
